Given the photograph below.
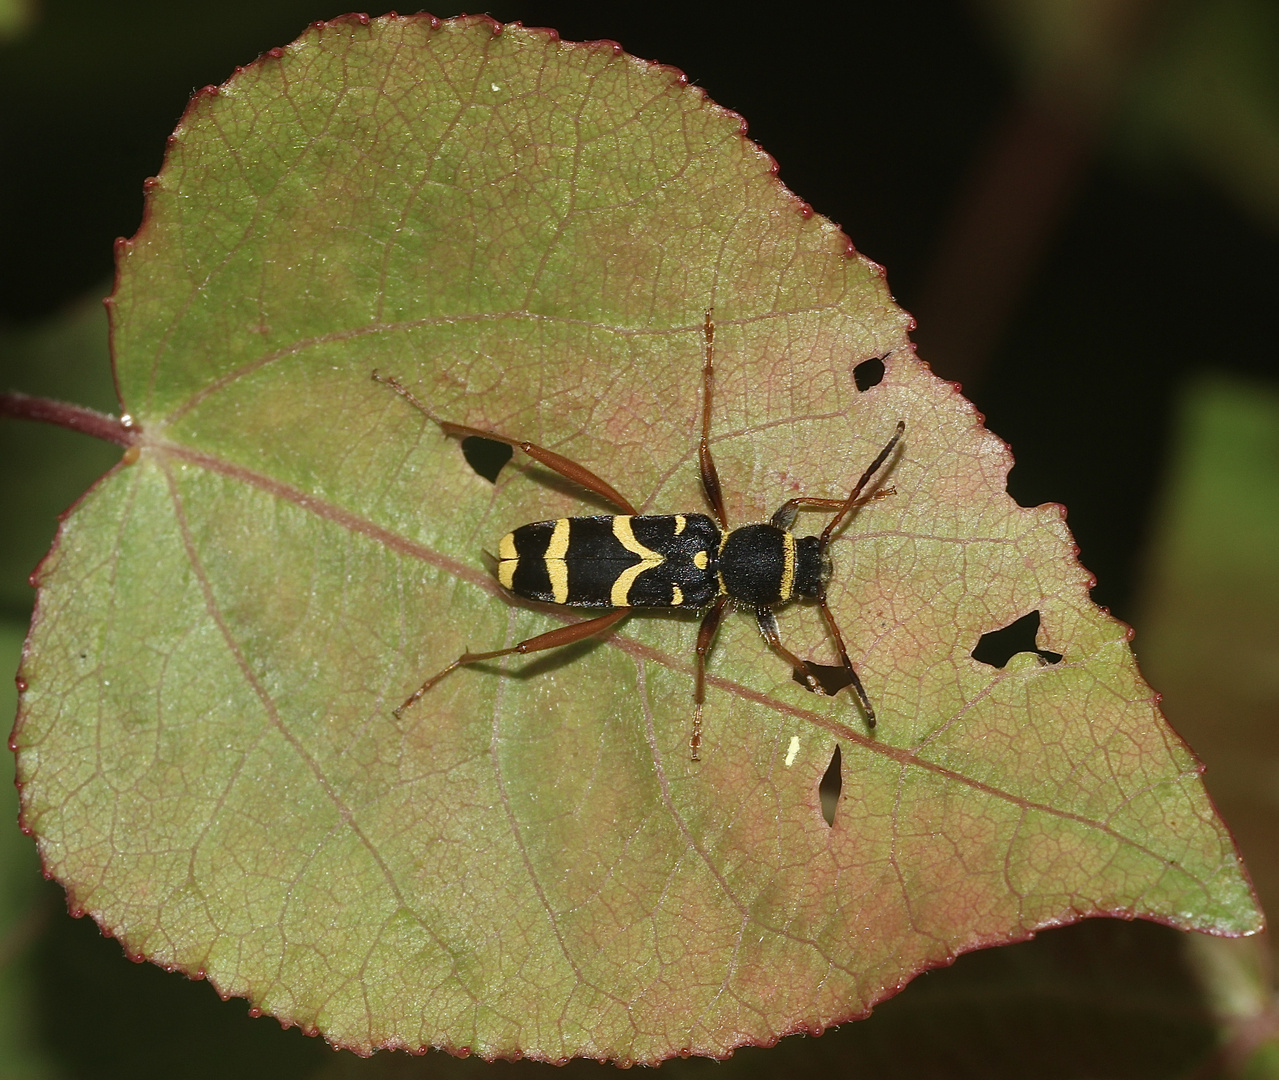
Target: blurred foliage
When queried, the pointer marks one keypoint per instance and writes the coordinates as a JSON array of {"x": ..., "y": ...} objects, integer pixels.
[
  {"x": 1207, "y": 89},
  {"x": 1073, "y": 51},
  {"x": 1210, "y": 640},
  {"x": 1194, "y": 79},
  {"x": 48, "y": 468},
  {"x": 16, "y": 16}
]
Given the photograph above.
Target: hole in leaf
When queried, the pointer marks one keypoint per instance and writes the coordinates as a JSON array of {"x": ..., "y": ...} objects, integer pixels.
[
  {"x": 869, "y": 373},
  {"x": 999, "y": 646},
  {"x": 831, "y": 786},
  {"x": 485, "y": 456},
  {"x": 832, "y": 677}
]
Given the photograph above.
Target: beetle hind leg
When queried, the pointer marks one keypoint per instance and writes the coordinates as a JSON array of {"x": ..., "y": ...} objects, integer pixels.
[
  {"x": 553, "y": 639},
  {"x": 803, "y": 671},
  {"x": 768, "y": 629},
  {"x": 858, "y": 689}
]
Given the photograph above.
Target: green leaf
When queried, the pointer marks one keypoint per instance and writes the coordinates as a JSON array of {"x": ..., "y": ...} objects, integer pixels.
[{"x": 528, "y": 233}]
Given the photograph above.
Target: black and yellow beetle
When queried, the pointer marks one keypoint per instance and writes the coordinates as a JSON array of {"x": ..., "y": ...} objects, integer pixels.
[{"x": 683, "y": 561}]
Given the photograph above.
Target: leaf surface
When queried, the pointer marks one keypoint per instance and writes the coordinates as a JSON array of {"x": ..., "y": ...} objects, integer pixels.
[{"x": 528, "y": 234}]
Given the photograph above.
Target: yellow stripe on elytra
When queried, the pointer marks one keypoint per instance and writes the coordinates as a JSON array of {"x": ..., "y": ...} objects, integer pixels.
[
  {"x": 680, "y": 523},
  {"x": 677, "y": 596},
  {"x": 619, "y": 595},
  {"x": 556, "y": 567},
  {"x": 788, "y": 566},
  {"x": 558, "y": 546},
  {"x": 626, "y": 536},
  {"x": 510, "y": 560}
]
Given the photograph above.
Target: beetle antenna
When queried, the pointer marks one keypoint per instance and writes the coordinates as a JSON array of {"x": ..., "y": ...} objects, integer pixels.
[{"x": 871, "y": 470}]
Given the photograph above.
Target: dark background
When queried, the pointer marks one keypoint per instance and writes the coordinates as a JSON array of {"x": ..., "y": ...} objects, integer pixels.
[{"x": 885, "y": 117}]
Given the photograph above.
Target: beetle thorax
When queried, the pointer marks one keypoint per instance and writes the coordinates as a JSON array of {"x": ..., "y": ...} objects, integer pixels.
[{"x": 762, "y": 565}]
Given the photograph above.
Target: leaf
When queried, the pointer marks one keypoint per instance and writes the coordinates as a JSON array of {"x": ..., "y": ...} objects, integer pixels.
[{"x": 528, "y": 233}]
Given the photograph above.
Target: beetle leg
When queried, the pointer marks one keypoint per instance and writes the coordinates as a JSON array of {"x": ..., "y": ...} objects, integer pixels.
[
  {"x": 768, "y": 628},
  {"x": 566, "y": 467},
  {"x": 858, "y": 689},
  {"x": 710, "y": 475},
  {"x": 784, "y": 518},
  {"x": 871, "y": 470},
  {"x": 552, "y": 639},
  {"x": 705, "y": 635}
]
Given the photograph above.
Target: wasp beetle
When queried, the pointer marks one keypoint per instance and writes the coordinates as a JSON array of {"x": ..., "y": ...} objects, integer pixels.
[{"x": 686, "y": 561}]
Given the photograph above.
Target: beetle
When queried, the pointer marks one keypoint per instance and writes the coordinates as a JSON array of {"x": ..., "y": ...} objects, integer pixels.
[{"x": 684, "y": 561}]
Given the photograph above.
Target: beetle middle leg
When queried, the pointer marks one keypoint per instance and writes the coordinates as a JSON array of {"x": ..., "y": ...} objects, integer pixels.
[{"x": 705, "y": 635}]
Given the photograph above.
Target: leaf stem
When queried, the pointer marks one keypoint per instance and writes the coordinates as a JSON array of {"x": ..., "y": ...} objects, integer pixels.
[{"x": 114, "y": 429}]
